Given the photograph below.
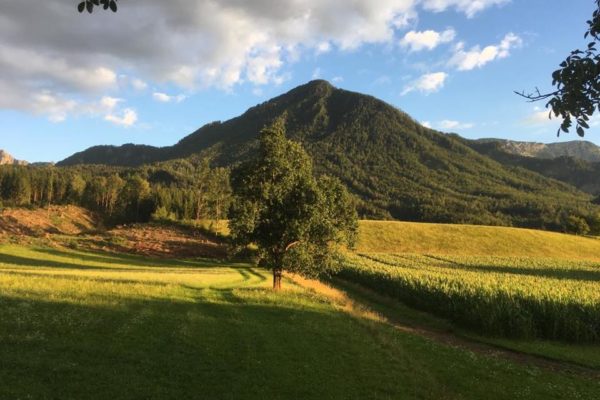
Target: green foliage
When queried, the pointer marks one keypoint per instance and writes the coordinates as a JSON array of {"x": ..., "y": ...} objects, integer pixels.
[
  {"x": 187, "y": 189},
  {"x": 577, "y": 82},
  {"x": 295, "y": 220},
  {"x": 577, "y": 225},
  {"x": 514, "y": 297},
  {"x": 90, "y": 4}
]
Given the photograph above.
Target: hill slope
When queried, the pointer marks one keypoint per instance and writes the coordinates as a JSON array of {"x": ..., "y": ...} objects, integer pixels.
[
  {"x": 469, "y": 240},
  {"x": 570, "y": 168},
  {"x": 398, "y": 168}
]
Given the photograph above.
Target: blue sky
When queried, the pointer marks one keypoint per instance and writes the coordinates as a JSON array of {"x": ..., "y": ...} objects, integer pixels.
[{"x": 152, "y": 74}]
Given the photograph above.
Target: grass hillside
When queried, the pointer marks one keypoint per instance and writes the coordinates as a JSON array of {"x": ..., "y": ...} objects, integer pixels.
[
  {"x": 471, "y": 240},
  {"x": 93, "y": 325}
]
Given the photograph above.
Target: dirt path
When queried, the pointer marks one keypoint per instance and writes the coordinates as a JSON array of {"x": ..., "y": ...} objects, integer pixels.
[{"x": 361, "y": 307}]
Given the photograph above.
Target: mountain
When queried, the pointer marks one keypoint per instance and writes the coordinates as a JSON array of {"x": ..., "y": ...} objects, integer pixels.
[
  {"x": 572, "y": 167},
  {"x": 578, "y": 149},
  {"x": 396, "y": 167},
  {"x": 7, "y": 159}
]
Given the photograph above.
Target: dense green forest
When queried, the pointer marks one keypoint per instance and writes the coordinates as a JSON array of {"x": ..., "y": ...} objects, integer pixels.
[
  {"x": 182, "y": 189},
  {"x": 191, "y": 189}
]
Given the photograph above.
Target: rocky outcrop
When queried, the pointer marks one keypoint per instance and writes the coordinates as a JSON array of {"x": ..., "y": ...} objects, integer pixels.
[{"x": 7, "y": 159}]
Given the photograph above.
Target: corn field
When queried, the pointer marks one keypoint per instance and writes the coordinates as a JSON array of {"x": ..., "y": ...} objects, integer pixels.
[{"x": 512, "y": 297}]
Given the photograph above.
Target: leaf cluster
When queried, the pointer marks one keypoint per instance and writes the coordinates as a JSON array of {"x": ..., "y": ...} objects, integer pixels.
[
  {"x": 90, "y": 4},
  {"x": 577, "y": 82}
]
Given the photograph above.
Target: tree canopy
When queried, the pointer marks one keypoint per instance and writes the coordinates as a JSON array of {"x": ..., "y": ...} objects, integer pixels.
[
  {"x": 577, "y": 82},
  {"x": 296, "y": 220}
]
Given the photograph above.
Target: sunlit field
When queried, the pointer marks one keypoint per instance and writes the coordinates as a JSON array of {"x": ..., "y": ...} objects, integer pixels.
[
  {"x": 83, "y": 325},
  {"x": 513, "y": 297}
]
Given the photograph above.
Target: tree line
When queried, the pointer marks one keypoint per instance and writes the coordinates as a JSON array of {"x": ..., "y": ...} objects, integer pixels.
[
  {"x": 177, "y": 190},
  {"x": 190, "y": 189}
]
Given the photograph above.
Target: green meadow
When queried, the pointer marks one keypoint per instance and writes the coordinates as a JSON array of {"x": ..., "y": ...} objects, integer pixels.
[{"x": 90, "y": 325}]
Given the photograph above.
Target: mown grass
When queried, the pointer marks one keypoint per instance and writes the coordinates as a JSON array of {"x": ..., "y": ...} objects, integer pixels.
[
  {"x": 81, "y": 325},
  {"x": 471, "y": 240}
]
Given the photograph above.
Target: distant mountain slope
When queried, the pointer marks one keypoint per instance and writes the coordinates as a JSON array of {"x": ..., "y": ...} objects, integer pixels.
[
  {"x": 572, "y": 170},
  {"x": 579, "y": 149},
  {"x": 7, "y": 159},
  {"x": 398, "y": 168}
]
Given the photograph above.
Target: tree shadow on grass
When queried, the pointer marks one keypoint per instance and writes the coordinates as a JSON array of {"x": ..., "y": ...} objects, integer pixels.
[
  {"x": 554, "y": 273},
  {"x": 97, "y": 279},
  {"x": 235, "y": 348},
  {"x": 115, "y": 262},
  {"x": 131, "y": 259},
  {"x": 168, "y": 349}
]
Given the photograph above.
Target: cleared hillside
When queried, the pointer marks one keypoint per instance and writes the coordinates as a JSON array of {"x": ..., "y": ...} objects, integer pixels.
[{"x": 471, "y": 240}]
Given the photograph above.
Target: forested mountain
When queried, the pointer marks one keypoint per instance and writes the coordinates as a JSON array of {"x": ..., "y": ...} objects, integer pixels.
[
  {"x": 396, "y": 167},
  {"x": 574, "y": 170}
]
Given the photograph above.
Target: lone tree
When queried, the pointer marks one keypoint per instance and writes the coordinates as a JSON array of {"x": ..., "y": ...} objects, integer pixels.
[
  {"x": 577, "y": 82},
  {"x": 297, "y": 222}
]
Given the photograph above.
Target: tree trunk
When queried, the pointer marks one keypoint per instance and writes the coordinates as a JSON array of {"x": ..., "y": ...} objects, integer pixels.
[{"x": 276, "y": 279}]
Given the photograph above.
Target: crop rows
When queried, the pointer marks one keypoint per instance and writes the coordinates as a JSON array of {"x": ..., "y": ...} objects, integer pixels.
[{"x": 513, "y": 297}]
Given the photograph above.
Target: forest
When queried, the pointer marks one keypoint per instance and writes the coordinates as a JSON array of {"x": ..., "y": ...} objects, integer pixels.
[
  {"x": 182, "y": 190},
  {"x": 192, "y": 189}
]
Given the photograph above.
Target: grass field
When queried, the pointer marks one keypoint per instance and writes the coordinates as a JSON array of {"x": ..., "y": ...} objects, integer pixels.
[
  {"x": 504, "y": 281},
  {"x": 472, "y": 240},
  {"x": 87, "y": 325}
]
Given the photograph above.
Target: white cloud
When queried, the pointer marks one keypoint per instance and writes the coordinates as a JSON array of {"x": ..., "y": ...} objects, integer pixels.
[
  {"x": 323, "y": 47},
  {"x": 450, "y": 124},
  {"x": 54, "y": 107},
  {"x": 109, "y": 103},
  {"x": 165, "y": 98},
  {"x": 428, "y": 83},
  {"x": 127, "y": 118},
  {"x": 466, "y": 60},
  {"x": 469, "y": 7},
  {"x": 48, "y": 48},
  {"x": 316, "y": 74},
  {"x": 539, "y": 117},
  {"x": 417, "y": 41},
  {"x": 139, "y": 84},
  {"x": 337, "y": 79}
]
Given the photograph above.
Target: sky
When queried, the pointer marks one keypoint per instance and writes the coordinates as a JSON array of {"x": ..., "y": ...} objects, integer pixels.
[{"x": 158, "y": 70}]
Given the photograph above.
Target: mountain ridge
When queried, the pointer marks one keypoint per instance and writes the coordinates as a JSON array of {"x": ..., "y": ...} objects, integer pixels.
[
  {"x": 578, "y": 149},
  {"x": 398, "y": 168}
]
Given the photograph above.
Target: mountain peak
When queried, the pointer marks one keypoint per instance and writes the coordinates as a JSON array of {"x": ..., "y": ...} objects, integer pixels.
[{"x": 317, "y": 87}]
